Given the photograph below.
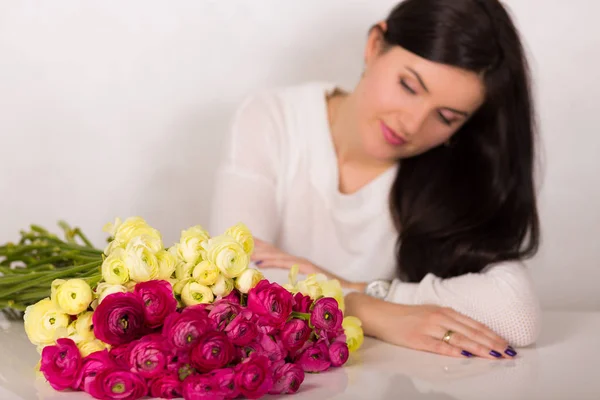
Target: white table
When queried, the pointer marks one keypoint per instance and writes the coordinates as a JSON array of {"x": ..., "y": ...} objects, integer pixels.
[{"x": 564, "y": 364}]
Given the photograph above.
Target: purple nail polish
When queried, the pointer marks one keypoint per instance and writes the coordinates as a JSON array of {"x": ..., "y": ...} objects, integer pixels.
[
  {"x": 511, "y": 352},
  {"x": 258, "y": 262},
  {"x": 466, "y": 353},
  {"x": 495, "y": 354}
]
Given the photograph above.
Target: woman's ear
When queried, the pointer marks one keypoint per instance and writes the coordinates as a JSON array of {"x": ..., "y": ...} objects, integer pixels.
[{"x": 375, "y": 42}]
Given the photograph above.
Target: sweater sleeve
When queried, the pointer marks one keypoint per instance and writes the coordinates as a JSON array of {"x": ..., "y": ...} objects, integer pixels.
[
  {"x": 246, "y": 180},
  {"x": 502, "y": 297}
]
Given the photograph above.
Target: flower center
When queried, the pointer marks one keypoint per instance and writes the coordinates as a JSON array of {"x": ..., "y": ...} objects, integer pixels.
[
  {"x": 189, "y": 338},
  {"x": 215, "y": 351},
  {"x": 118, "y": 388},
  {"x": 52, "y": 321},
  {"x": 327, "y": 316},
  {"x": 124, "y": 322},
  {"x": 63, "y": 354},
  {"x": 198, "y": 296},
  {"x": 73, "y": 296}
]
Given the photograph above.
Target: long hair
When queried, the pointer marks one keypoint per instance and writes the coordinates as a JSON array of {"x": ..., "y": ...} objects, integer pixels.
[{"x": 463, "y": 207}]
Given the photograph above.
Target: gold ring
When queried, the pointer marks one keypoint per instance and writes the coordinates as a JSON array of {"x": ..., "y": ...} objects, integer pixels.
[{"x": 447, "y": 336}]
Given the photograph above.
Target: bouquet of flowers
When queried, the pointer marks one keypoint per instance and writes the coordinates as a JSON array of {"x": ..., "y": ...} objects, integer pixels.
[{"x": 193, "y": 320}]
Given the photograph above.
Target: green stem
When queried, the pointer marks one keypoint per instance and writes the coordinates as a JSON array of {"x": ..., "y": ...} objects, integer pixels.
[
  {"x": 87, "y": 242},
  {"x": 304, "y": 316},
  {"x": 34, "y": 296},
  {"x": 49, "y": 277},
  {"x": 13, "y": 305}
]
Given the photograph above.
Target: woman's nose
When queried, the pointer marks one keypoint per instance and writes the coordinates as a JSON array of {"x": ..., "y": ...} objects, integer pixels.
[{"x": 413, "y": 120}]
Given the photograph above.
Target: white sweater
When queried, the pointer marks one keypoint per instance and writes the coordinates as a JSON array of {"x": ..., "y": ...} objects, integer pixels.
[{"x": 279, "y": 176}]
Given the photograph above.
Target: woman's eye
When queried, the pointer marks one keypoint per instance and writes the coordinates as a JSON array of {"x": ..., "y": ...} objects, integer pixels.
[
  {"x": 407, "y": 87},
  {"x": 444, "y": 120}
]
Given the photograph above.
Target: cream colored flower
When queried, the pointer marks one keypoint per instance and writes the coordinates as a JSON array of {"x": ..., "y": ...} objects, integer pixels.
[
  {"x": 223, "y": 286},
  {"x": 72, "y": 296},
  {"x": 141, "y": 261},
  {"x": 179, "y": 285},
  {"x": 189, "y": 248},
  {"x": 205, "y": 273},
  {"x": 133, "y": 227},
  {"x": 184, "y": 270},
  {"x": 354, "y": 333},
  {"x": 242, "y": 234},
  {"x": 105, "y": 289},
  {"x": 166, "y": 264},
  {"x": 82, "y": 328},
  {"x": 248, "y": 279},
  {"x": 227, "y": 254},
  {"x": 45, "y": 322},
  {"x": 195, "y": 293},
  {"x": 114, "y": 270},
  {"x": 90, "y": 346}
]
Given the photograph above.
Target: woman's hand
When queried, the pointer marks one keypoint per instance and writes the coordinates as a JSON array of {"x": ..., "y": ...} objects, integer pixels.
[
  {"x": 266, "y": 255},
  {"x": 422, "y": 327}
]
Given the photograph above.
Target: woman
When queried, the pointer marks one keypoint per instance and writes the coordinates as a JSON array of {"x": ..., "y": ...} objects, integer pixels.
[{"x": 415, "y": 190}]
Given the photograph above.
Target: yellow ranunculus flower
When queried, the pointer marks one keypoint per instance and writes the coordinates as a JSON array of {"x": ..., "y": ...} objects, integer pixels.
[
  {"x": 178, "y": 286},
  {"x": 223, "y": 286},
  {"x": 45, "y": 322},
  {"x": 189, "y": 248},
  {"x": 141, "y": 261},
  {"x": 227, "y": 254},
  {"x": 104, "y": 289},
  {"x": 195, "y": 293},
  {"x": 242, "y": 234},
  {"x": 131, "y": 228},
  {"x": 166, "y": 264},
  {"x": 90, "y": 346},
  {"x": 248, "y": 279},
  {"x": 72, "y": 296},
  {"x": 184, "y": 270},
  {"x": 333, "y": 288},
  {"x": 114, "y": 270},
  {"x": 82, "y": 328},
  {"x": 354, "y": 333},
  {"x": 205, "y": 273}
]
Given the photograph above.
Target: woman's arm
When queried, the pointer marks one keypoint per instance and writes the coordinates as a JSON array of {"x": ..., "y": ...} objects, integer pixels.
[
  {"x": 246, "y": 180},
  {"x": 502, "y": 298}
]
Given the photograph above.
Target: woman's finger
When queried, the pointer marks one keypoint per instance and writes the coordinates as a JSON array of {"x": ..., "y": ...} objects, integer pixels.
[
  {"x": 469, "y": 346},
  {"x": 491, "y": 348},
  {"x": 498, "y": 340},
  {"x": 437, "y": 346}
]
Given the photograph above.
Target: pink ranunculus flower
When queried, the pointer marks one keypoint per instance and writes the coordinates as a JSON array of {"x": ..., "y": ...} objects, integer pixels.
[
  {"x": 214, "y": 350},
  {"x": 315, "y": 357},
  {"x": 288, "y": 378},
  {"x": 118, "y": 384},
  {"x": 120, "y": 355},
  {"x": 294, "y": 334},
  {"x": 242, "y": 330},
  {"x": 184, "y": 329},
  {"x": 92, "y": 365},
  {"x": 233, "y": 297},
  {"x": 201, "y": 387},
  {"x": 271, "y": 347},
  {"x": 326, "y": 315},
  {"x": 224, "y": 379},
  {"x": 302, "y": 303},
  {"x": 223, "y": 312},
  {"x": 61, "y": 364},
  {"x": 272, "y": 303},
  {"x": 180, "y": 364},
  {"x": 338, "y": 353},
  {"x": 167, "y": 386},
  {"x": 158, "y": 300},
  {"x": 149, "y": 356},
  {"x": 254, "y": 377},
  {"x": 119, "y": 319}
]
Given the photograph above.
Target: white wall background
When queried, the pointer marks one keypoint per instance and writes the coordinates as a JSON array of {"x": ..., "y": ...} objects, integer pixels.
[{"x": 118, "y": 108}]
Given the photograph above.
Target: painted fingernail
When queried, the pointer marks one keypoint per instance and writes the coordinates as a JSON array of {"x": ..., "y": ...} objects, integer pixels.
[
  {"x": 510, "y": 351},
  {"x": 495, "y": 354},
  {"x": 258, "y": 262},
  {"x": 466, "y": 353}
]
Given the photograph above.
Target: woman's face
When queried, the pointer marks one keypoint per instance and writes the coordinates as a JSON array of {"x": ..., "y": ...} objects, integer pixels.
[{"x": 407, "y": 105}]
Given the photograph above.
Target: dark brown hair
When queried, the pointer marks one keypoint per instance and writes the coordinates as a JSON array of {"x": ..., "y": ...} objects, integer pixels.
[{"x": 463, "y": 207}]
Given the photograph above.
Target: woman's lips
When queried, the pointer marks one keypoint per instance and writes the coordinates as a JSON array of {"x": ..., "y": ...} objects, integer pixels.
[{"x": 390, "y": 136}]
